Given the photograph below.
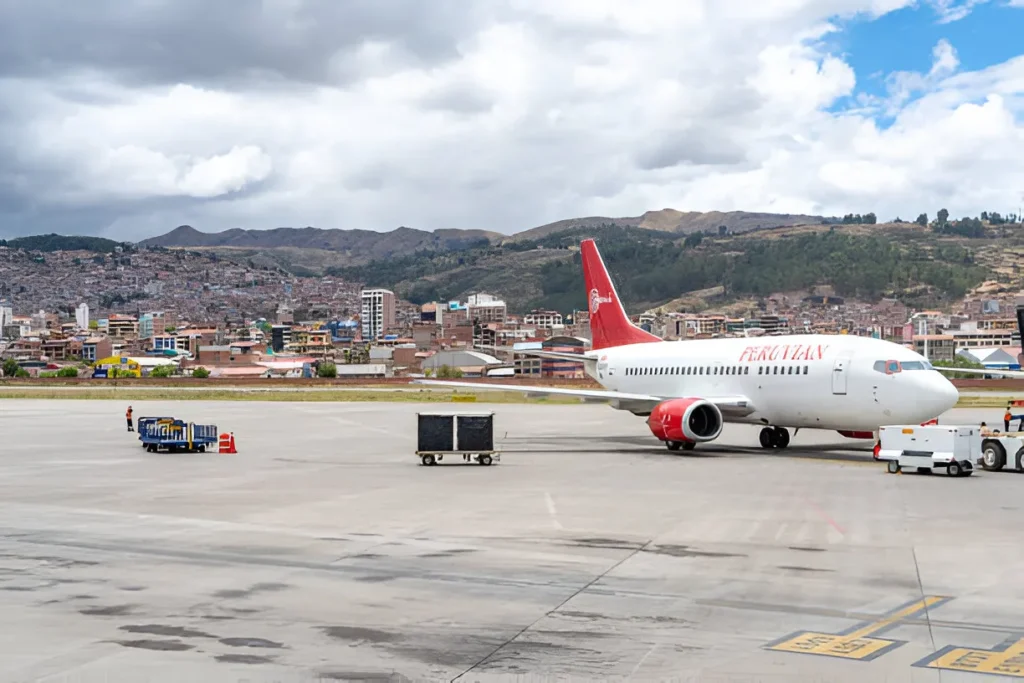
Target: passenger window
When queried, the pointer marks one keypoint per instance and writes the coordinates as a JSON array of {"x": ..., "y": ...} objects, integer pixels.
[
  {"x": 806, "y": 369},
  {"x": 759, "y": 368},
  {"x": 746, "y": 370},
  {"x": 790, "y": 370}
]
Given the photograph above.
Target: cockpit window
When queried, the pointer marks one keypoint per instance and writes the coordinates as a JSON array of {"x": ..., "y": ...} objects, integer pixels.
[
  {"x": 913, "y": 365},
  {"x": 889, "y": 367}
]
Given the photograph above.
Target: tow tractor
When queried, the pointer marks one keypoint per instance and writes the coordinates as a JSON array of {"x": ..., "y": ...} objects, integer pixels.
[
  {"x": 1007, "y": 448},
  {"x": 998, "y": 450}
]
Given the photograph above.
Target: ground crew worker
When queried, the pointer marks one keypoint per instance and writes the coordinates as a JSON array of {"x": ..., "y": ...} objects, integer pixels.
[
  {"x": 1007, "y": 416},
  {"x": 985, "y": 431},
  {"x": 128, "y": 415}
]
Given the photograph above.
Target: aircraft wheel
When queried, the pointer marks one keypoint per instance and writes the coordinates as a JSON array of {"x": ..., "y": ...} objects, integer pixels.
[
  {"x": 781, "y": 437},
  {"x": 767, "y": 438},
  {"x": 689, "y": 446},
  {"x": 673, "y": 445}
]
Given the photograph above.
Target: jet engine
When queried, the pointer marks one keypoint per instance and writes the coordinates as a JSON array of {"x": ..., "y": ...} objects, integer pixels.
[{"x": 685, "y": 421}]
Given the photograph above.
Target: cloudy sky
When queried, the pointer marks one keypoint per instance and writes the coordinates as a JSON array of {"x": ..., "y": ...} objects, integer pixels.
[{"x": 126, "y": 118}]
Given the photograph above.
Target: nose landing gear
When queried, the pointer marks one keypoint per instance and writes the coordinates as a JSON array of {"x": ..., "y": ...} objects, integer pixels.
[{"x": 774, "y": 437}]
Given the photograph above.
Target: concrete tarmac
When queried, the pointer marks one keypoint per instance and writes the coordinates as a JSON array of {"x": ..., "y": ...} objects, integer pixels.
[{"x": 324, "y": 551}]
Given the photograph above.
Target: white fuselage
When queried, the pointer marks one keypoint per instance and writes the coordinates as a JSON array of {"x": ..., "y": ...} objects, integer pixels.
[{"x": 835, "y": 382}]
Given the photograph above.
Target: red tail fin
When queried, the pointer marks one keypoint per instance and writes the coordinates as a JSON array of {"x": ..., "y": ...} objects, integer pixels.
[{"x": 609, "y": 324}]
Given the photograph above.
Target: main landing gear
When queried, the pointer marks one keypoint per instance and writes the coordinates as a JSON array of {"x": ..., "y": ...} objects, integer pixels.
[
  {"x": 676, "y": 445},
  {"x": 774, "y": 437}
]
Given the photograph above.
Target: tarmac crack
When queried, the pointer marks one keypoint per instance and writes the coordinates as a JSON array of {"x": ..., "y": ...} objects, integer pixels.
[{"x": 536, "y": 621}]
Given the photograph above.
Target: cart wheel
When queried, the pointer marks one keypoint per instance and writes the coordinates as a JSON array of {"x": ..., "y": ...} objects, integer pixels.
[
  {"x": 202, "y": 448},
  {"x": 954, "y": 469},
  {"x": 485, "y": 459},
  {"x": 428, "y": 459},
  {"x": 893, "y": 467}
]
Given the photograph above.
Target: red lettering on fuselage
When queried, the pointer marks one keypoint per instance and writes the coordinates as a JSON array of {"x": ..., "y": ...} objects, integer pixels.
[{"x": 773, "y": 352}]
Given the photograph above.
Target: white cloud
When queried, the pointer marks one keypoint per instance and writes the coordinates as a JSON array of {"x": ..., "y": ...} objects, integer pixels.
[
  {"x": 955, "y": 10},
  {"x": 548, "y": 111}
]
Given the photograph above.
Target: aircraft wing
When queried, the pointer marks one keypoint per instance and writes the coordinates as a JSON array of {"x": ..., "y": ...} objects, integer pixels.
[
  {"x": 1013, "y": 374},
  {"x": 579, "y": 358},
  {"x": 729, "y": 405}
]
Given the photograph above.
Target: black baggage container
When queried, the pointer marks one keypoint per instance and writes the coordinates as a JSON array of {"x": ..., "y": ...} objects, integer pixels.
[
  {"x": 476, "y": 433},
  {"x": 436, "y": 433}
]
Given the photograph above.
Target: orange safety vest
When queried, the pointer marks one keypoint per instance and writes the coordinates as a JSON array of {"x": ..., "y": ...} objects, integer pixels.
[
  {"x": 1008, "y": 416},
  {"x": 128, "y": 413}
]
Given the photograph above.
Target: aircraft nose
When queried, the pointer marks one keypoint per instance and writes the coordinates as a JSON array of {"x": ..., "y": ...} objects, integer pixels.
[{"x": 941, "y": 395}]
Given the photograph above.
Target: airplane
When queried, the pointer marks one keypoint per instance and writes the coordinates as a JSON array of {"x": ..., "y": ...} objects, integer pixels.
[{"x": 689, "y": 389}]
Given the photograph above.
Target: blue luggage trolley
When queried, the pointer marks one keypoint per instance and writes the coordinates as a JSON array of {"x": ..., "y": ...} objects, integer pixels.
[{"x": 177, "y": 436}]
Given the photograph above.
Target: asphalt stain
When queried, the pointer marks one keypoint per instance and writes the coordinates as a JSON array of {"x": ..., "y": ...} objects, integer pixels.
[
  {"x": 806, "y": 549},
  {"x": 362, "y": 676},
  {"x": 609, "y": 543},
  {"x": 244, "y": 659},
  {"x": 132, "y": 588},
  {"x": 358, "y": 633},
  {"x": 112, "y": 611},
  {"x": 163, "y": 645},
  {"x": 803, "y": 569},
  {"x": 170, "y": 631},
  {"x": 366, "y": 556},
  {"x": 18, "y": 589},
  {"x": 332, "y": 538},
  {"x": 684, "y": 551},
  {"x": 82, "y": 596},
  {"x": 230, "y": 593},
  {"x": 449, "y": 553},
  {"x": 376, "y": 578},
  {"x": 250, "y": 642}
]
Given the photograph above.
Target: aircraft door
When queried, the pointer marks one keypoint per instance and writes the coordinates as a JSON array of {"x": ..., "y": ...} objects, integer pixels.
[
  {"x": 840, "y": 374},
  {"x": 603, "y": 369}
]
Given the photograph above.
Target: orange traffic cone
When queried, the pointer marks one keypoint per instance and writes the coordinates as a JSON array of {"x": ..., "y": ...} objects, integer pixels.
[
  {"x": 232, "y": 447},
  {"x": 225, "y": 443}
]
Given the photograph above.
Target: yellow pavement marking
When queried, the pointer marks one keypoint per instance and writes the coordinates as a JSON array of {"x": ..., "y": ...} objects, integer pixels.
[
  {"x": 856, "y": 642},
  {"x": 1005, "y": 659}
]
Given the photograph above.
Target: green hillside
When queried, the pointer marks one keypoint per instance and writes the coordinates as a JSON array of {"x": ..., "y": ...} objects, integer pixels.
[
  {"x": 651, "y": 267},
  {"x": 55, "y": 242}
]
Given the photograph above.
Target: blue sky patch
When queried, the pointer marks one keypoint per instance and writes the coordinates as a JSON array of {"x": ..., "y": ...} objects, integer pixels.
[{"x": 905, "y": 39}]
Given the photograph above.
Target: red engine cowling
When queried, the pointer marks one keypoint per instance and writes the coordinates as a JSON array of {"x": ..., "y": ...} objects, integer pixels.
[{"x": 686, "y": 419}]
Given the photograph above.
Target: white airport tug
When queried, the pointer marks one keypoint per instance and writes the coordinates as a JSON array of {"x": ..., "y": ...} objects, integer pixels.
[{"x": 951, "y": 447}]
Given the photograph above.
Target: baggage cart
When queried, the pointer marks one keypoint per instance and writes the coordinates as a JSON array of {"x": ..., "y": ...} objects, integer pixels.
[
  {"x": 466, "y": 434},
  {"x": 950, "y": 447},
  {"x": 177, "y": 436}
]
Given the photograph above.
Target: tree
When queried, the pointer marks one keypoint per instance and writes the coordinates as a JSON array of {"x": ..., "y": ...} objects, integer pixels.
[
  {"x": 68, "y": 371},
  {"x": 327, "y": 370},
  {"x": 941, "y": 217},
  {"x": 201, "y": 372},
  {"x": 10, "y": 367},
  {"x": 162, "y": 371},
  {"x": 922, "y": 220},
  {"x": 870, "y": 218}
]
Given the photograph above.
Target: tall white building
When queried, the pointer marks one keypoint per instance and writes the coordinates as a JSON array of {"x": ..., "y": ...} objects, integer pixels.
[
  {"x": 378, "y": 312},
  {"x": 82, "y": 316},
  {"x": 6, "y": 316}
]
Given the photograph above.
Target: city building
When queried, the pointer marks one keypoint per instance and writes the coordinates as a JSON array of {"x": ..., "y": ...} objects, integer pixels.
[
  {"x": 81, "y": 316},
  {"x": 378, "y": 312}
]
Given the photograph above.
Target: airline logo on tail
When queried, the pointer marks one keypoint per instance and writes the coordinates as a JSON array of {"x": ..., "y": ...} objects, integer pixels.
[{"x": 596, "y": 300}]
